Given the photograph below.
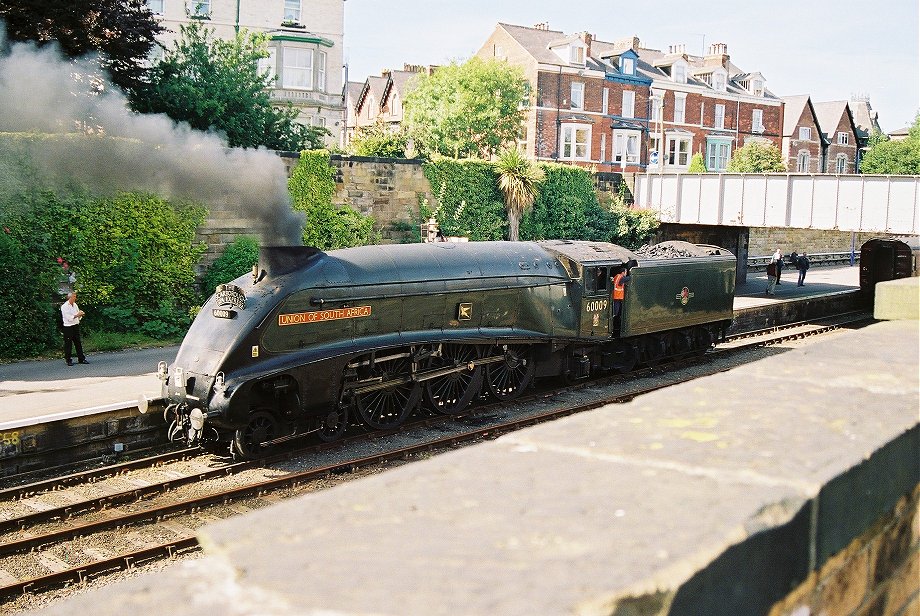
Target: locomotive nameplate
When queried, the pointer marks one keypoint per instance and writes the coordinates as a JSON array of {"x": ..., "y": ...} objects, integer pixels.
[
  {"x": 333, "y": 314},
  {"x": 230, "y": 295}
]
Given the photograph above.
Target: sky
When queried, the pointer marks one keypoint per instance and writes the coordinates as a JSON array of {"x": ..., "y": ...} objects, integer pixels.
[{"x": 830, "y": 50}]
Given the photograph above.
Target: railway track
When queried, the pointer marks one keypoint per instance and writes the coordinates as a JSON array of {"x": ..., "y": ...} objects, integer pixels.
[{"x": 72, "y": 529}]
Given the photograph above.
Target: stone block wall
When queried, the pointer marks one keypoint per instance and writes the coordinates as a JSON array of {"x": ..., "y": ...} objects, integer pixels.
[
  {"x": 877, "y": 574},
  {"x": 764, "y": 241}
]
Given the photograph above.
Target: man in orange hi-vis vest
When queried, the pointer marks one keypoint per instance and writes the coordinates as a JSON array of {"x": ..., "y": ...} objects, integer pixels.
[{"x": 619, "y": 287}]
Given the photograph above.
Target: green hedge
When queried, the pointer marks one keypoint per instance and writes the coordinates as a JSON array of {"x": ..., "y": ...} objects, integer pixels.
[
  {"x": 326, "y": 226},
  {"x": 470, "y": 203},
  {"x": 133, "y": 254},
  {"x": 237, "y": 259}
]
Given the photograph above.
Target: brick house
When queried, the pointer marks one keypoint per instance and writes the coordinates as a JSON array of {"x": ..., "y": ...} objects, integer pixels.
[
  {"x": 381, "y": 98},
  {"x": 803, "y": 140},
  {"x": 350, "y": 97},
  {"x": 841, "y": 154},
  {"x": 620, "y": 107},
  {"x": 305, "y": 46}
]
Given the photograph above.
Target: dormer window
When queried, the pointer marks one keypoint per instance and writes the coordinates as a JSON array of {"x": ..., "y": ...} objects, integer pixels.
[
  {"x": 679, "y": 72},
  {"x": 576, "y": 54},
  {"x": 757, "y": 87},
  {"x": 719, "y": 81},
  {"x": 627, "y": 66}
]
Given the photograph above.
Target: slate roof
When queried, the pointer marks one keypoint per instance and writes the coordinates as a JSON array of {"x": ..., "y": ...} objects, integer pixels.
[
  {"x": 865, "y": 117},
  {"x": 795, "y": 105},
  {"x": 829, "y": 114},
  {"x": 374, "y": 85},
  {"x": 537, "y": 43}
]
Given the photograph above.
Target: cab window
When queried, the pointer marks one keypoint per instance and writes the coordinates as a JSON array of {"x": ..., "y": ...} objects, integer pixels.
[{"x": 598, "y": 279}]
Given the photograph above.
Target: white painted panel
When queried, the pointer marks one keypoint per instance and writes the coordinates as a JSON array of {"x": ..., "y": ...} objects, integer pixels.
[
  {"x": 875, "y": 205},
  {"x": 849, "y": 202},
  {"x": 801, "y": 187},
  {"x": 668, "y": 206},
  {"x": 709, "y": 200},
  {"x": 824, "y": 215},
  {"x": 776, "y": 201},
  {"x": 905, "y": 209},
  {"x": 733, "y": 210},
  {"x": 755, "y": 197},
  {"x": 689, "y": 189}
]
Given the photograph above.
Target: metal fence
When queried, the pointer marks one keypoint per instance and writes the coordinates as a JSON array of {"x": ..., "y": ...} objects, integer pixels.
[{"x": 759, "y": 263}]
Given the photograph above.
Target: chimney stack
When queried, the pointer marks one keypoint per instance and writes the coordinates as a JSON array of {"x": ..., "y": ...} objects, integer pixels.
[
  {"x": 623, "y": 44},
  {"x": 586, "y": 39},
  {"x": 717, "y": 56},
  {"x": 679, "y": 48},
  {"x": 543, "y": 25}
]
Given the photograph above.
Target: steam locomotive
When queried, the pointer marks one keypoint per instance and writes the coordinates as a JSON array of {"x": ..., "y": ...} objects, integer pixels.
[{"x": 314, "y": 341}]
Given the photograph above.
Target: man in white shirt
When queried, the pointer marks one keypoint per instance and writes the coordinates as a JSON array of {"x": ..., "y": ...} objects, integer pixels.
[{"x": 71, "y": 315}]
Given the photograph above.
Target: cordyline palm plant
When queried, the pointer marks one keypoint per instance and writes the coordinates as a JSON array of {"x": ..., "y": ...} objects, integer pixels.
[{"x": 519, "y": 180}]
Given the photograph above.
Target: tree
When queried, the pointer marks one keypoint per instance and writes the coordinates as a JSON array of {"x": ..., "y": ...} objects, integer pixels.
[
  {"x": 122, "y": 31},
  {"x": 518, "y": 179},
  {"x": 379, "y": 140},
  {"x": 895, "y": 157},
  {"x": 756, "y": 157},
  {"x": 697, "y": 164},
  {"x": 215, "y": 84},
  {"x": 465, "y": 110}
]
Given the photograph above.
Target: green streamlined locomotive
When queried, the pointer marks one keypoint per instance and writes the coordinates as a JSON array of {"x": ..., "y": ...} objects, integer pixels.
[{"x": 312, "y": 341}]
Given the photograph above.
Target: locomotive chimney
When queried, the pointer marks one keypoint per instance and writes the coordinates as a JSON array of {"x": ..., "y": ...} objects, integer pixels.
[{"x": 281, "y": 260}]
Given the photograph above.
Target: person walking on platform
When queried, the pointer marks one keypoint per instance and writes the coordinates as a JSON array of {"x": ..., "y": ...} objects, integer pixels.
[
  {"x": 771, "y": 278},
  {"x": 71, "y": 315},
  {"x": 778, "y": 258},
  {"x": 803, "y": 265}
]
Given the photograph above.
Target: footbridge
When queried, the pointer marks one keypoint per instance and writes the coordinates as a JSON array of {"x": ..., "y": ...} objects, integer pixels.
[{"x": 887, "y": 205}]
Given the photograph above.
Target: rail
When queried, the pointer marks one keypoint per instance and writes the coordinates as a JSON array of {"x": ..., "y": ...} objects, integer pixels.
[{"x": 758, "y": 263}]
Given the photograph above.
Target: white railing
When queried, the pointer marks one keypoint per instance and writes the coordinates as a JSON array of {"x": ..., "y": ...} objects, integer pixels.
[{"x": 873, "y": 203}]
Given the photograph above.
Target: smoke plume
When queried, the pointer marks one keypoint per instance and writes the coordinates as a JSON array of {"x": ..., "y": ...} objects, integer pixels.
[{"x": 100, "y": 143}]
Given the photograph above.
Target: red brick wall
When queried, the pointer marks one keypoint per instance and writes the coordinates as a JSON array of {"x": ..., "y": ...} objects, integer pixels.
[
  {"x": 834, "y": 148},
  {"x": 812, "y": 146}
]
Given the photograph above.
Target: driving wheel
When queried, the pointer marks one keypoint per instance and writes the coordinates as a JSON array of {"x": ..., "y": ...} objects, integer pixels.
[
  {"x": 451, "y": 393},
  {"x": 508, "y": 378},
  {"x": 388, "y": 407}
]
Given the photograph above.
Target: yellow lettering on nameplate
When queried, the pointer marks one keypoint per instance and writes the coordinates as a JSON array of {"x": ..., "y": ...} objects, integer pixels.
[{"x": 333, "y": 314}]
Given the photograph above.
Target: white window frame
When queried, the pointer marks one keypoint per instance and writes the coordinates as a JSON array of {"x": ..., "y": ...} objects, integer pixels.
[
  {"x": 157, "y": 7},
  {"x": 627, "y": 66},
  {"x": 718, "y": 153},
  {"x": 198, "y": 8},
  {"x": 803, "y": 162},
  {"x": 629, "y": 104},
  {"x": 577, "y": 95},
  {"x": 297, "y": 76},
  {"x": 719, "y": 81},
  {"x": 292, "y": 11},
  {"x": 369, "y": 112},
  {"x": 841, "y": 163},
  {"x": 268, "y": 67},
  {"x": 680, "y": 107},
  {"x": 603, "y": 156},
  {"x": 654, "y": 144},
  {"x": 605, "y": 101},
  {"x": 679, "y": 72},
  {"x": 757, "y": 87},
  {"x": 626, "y": 147},
  {"x": 321, "y": 71},
  {"x": 843, "y": 138},
  {"x": 719, "y": 116},
  {"x": 395, "y": 105},
  {"x": 575, "y": 142},
  {"x": 757, "y": 120},
  {"x": 804, "y": 133},
  {"x": 576, "y": 54},
  {"x": 680, "y": 149},
  {"x": 657, "y": 109}
]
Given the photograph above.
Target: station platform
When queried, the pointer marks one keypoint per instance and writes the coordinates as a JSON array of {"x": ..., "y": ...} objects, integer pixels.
[
  {"x": 784, "y": 487},
  {"x": 49, "y": 390}
]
